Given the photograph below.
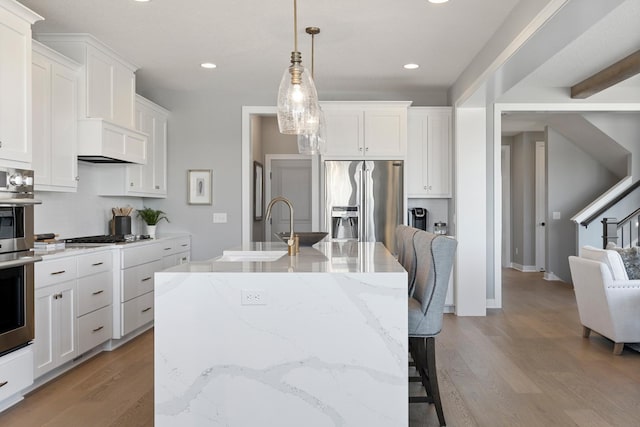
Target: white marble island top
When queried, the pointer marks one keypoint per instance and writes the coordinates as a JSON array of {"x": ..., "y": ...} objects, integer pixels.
[
  {"x": 342, "y": 257},
  {"x": 317, "y": 339}
]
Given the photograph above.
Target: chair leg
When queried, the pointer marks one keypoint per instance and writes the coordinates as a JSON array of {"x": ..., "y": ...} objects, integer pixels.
[
  {"x": 586, "y": 332},
  {"x": 433, "y": 378},
  {"x": 617, "y": 348}
]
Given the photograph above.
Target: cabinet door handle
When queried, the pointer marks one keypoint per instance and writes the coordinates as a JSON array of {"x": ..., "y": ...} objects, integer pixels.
[
  {"x": 146, "y": 309},
  {"x": 95, "y": 264},
  {"x": 6, "y": 382},
  {"x": 98, "y": 328},
  {"x": 157, "y": 187},
  {"x": 184, "y": 245},
  {"x": 58, "y": 272},
  {"x": 167, "y": 249},
  {"x": 366, "y": 149},
  {"x": 58, "y": 296},
  {"x": 145, "y": 279},
  {"x": 98, "y": 292}
]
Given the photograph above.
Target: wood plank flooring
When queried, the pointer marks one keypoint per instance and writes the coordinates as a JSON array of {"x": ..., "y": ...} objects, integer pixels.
[{"x": 525, "y": 365}]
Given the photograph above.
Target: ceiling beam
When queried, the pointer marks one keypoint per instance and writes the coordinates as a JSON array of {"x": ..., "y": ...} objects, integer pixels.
[{"x": 613, "y": 74}]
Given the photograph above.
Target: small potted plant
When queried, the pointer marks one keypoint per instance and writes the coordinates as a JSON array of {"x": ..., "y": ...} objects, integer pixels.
[{"x": 151, "y": 218}]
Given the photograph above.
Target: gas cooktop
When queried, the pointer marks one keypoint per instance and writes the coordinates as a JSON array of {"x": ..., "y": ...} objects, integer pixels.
[{"x": 107, "y": 238}]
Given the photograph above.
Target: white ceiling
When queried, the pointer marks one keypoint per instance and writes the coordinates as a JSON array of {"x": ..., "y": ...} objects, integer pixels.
[{"x": 362, "y": 46}]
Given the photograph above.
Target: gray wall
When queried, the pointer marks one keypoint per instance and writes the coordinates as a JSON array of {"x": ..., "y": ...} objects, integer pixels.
[{"x": 574, "y": 179}]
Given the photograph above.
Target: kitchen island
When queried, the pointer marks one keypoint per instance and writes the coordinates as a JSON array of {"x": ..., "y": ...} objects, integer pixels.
[{"x": 317, "y": 339}]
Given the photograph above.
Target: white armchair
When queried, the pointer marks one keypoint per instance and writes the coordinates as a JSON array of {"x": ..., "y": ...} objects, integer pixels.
[{"x": 608, "y": 302}]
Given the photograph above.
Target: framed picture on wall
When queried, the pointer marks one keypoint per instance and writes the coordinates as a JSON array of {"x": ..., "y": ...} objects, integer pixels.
[
  {"x": 258, "y": 190},
  {"x": 200, "y": 187}
]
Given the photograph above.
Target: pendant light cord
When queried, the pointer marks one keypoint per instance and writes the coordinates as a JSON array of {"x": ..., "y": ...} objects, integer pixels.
[
  {"x": 313, "y": 39},
  {"x": 295, "y": 26}
]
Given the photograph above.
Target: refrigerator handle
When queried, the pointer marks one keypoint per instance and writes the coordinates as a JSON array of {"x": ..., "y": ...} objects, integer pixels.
[{"x": 362, "y": 231}]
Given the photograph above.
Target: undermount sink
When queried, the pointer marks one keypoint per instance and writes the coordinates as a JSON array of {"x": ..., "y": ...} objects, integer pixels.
[
  {"x": 307, "y": 238},
  {"x": 251, "y": 256}
]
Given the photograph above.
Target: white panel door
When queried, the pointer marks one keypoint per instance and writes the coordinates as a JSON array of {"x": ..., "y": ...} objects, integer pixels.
[
  {"x": 40, "y": 119},
  {"x": 15, "y": 66},
  {"x": 345, "y": 132},
  {"x": 385, "y": 132},
  {"x": 292, "y": 179},
  {"x": 64, "y": 146},
  {"x": 541, "y": 208}
]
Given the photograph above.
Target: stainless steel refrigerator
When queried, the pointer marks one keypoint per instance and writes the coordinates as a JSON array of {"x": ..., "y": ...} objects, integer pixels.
[{"x": 363, "y": 200}]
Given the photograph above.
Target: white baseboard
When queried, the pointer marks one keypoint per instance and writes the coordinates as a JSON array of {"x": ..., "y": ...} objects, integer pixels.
[
  {"x": 548, "y": 275},
  {"x": 524, "y": 268},
  {"x": 492, "y": 303}
]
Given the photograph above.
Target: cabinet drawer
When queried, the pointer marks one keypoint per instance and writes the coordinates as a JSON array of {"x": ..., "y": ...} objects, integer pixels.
[
  {"x": 55, "y": 271},
  {"x": 94, "y": 292},
  {"x": 16, "y": 372},
  {"x": 141, "y": 255},
  {"x": 138, "y": 280},
  {"x": 137, "y": 312},
  {"x": 94, "y": 263},
  {"x": 173, "y": 246},
  {"x": 94, "y": 329}
]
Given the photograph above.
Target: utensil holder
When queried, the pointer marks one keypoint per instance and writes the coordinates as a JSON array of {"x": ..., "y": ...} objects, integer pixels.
[{"x": 121, "y": 225}]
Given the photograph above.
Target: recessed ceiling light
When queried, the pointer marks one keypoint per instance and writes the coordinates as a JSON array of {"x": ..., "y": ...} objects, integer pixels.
[
  {"x": 142, "y": 1},
  {"x": 208, "y": 65},
  {"x": 411, "y": 66},
  {"x": 438, "y": 1}
]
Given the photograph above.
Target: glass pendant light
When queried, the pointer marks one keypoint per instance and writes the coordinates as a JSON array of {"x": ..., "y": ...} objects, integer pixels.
[
  {"x": 298, "y": 109},
  {"x": 313, "y": 143}
]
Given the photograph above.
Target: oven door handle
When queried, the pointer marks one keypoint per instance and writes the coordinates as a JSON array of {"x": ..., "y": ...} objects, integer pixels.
[
  {"x": 20, "y": 261},
  {"x": 7, "y": 203}
]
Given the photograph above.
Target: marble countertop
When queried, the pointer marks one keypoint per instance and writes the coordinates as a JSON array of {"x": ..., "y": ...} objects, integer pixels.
[
  {"x": 80, "y": 249},
  {"x": 324, "y": 257}
]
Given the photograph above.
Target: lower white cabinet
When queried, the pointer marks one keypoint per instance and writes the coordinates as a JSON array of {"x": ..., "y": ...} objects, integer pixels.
[
  {"x": 72, "y": 307},
  {"x": 94, "y": 328},
  {"x": 176, "y": 251},
  {"x": 133, "y": 299},
  {"x": 55, "y": 326},
  {"x": 16, "y": 373}
]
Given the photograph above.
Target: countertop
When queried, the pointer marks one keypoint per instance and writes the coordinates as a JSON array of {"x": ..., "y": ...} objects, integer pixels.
[
  {"x": 81, "y": 249},
  {"x": 324, "y": 257}
]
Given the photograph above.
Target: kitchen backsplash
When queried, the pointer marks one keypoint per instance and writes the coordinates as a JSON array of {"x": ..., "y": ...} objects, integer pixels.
[{"x": 82, "y": 213}]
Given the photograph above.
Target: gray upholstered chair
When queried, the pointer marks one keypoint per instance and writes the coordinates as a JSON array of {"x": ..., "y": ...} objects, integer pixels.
[
  {"x": 434, "y": 263},
  {"x": 406, "y": 253}
]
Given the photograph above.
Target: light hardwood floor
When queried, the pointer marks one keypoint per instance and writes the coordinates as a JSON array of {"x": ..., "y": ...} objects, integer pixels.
[{"x": 525, "y": 365}]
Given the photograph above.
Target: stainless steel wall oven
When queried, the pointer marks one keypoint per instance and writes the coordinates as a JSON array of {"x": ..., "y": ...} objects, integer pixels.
[{"x": 16, "y": 259}]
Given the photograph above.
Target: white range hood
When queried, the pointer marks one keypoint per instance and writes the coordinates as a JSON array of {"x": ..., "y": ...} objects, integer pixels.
[{"x": 105, "y": 142}]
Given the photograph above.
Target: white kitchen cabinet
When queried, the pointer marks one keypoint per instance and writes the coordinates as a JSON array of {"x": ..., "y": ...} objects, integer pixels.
[
  {"x": 107, "y": 86},
  {"x": 55, "y": 326},
  {"x": 176, "y": 251},
  {"x": 133, "y": 301},
  {"x": 72, "y": 307},
  {"x": 16, "y": 374},
  {"x": 54, "y": 120},
  {"x": 15, "y": 83},
  {"x": 376, "y": 129},
  {"x": 95, "y": 289},
  {"x": 106, "y": 99},
  {"x": 150, "y": 179},
  {"x": 429, "y": 152}
]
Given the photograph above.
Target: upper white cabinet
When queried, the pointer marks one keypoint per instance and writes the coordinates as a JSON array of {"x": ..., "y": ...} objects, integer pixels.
[
  {"x": 374, "y": 129},
  {"x": 108, "y": 85},
  {"x": 106, "y": 99},
  {"x": 15, "y": 83},
  {"x": 149, "y": 180},
  {"x": 429, "y": 152},
  {"x": 54, "y": 120}
]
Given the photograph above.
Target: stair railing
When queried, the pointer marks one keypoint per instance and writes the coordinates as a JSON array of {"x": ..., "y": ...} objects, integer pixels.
[{"x": 624, "y": 233}]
